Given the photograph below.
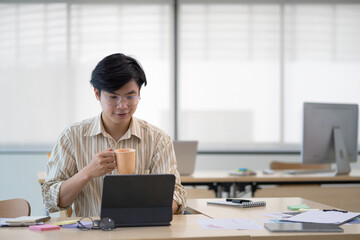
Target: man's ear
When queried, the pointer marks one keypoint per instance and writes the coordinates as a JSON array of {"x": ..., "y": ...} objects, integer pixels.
[{"x": 97, "y": 94}]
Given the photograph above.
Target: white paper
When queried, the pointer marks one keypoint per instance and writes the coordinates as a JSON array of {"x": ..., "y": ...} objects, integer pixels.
[
  {"x": 243, "y": 224},
  {"x": 317, "y": 216},
  {"x": 3, "y": 221},
  {"x": 277, "y": 215},
  {"x": 269, "y": 220}
]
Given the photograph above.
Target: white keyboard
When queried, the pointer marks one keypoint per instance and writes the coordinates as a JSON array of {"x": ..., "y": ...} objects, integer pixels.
[{"x": 308, "y": 171}]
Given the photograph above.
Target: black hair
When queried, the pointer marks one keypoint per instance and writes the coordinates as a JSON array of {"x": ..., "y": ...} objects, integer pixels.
[{"x": 116, "y": 70}]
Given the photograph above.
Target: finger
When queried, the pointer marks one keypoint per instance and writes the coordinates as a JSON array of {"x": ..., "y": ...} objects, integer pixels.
[
  {"x": 110, "y": 150},
  {"x": 109, "y": 159},
  {"x": 107, "y": 154},
  {"x": 110, "y": 167}
]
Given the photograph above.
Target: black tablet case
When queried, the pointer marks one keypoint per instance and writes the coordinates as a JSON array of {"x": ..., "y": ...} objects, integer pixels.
[{"x": 138, "y": 200}]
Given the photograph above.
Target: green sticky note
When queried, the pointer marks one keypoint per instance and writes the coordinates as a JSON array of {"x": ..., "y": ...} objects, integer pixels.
[{"x": 297, "y": 207}]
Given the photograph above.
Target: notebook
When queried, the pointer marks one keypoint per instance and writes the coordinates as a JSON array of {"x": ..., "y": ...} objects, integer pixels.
[
  {"x": 138, "y": 200},
  {"x": 239, "y": 205},
  {"x": 185, "y": 152},
  {"x": 24, "y": 221}
]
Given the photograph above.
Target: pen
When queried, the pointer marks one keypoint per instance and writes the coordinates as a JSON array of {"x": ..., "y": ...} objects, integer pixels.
[
  {"x": 234, "y": 200},
  {"x": 334, "y": 210}
]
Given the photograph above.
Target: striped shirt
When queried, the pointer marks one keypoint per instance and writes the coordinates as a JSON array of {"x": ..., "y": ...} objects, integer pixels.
[{"x": 79, "y": 142}]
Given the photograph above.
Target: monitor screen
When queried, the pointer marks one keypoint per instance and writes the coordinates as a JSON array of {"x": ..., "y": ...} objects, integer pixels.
[{"x": 330, "y": 134}]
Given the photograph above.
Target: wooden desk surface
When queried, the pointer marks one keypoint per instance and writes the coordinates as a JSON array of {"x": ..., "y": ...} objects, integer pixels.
[
  {"x": 351, "y": 231},
  {"x": 186, "y": 226},
  {"x": 182, "y": 227},
  {"x": 278, "y": 176}
]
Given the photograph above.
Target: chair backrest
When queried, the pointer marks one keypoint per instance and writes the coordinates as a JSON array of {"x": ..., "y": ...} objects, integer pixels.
[
  {"x": 16, "y": 207},
  {"x": 275, "y": 165}
]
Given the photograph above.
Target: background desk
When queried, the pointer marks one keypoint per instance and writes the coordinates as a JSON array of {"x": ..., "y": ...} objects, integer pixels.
[
  {"x": 345, "y": 197},
  {"x": 341, "y": 197}
]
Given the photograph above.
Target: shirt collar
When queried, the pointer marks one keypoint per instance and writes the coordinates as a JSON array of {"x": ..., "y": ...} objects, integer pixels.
[
  {"x": 95, "y": 127},
  {"x": 135, "y": 127}
]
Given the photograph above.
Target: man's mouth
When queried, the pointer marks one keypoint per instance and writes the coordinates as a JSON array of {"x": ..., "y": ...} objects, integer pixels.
[{"x": 121, "y": 114}]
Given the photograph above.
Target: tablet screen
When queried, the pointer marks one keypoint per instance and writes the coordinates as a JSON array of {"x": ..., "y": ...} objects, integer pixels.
[{"x": 302, "y": 227}]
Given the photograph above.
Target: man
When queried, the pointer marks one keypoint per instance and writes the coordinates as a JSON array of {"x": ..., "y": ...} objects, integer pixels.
[{"x": 83, "y": 153}]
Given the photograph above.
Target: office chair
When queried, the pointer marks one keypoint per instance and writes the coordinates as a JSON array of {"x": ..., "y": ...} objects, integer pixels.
[{"x": 15, "y": 207}]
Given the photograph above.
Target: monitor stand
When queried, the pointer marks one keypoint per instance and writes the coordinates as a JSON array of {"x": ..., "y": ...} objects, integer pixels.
[{"x": 341, "y": 156}]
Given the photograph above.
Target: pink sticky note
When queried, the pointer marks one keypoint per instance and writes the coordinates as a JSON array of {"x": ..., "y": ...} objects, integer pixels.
[{"x": 45, "y": 227}]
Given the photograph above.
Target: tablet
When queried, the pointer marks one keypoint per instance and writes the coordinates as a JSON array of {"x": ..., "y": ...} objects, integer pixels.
[
  {"x": 302, "y": 227},
  {"x": 138, "y": 200}
]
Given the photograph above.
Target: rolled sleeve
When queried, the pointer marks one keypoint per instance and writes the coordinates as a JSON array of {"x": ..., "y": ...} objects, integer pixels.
[
  {"x": 61, "y": 166},
  {"x": 180, "y": 198},
  {"x": 50, "y": 192}
]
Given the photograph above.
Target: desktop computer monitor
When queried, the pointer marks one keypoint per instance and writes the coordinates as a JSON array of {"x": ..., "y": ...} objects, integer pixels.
[{"x": 330, "y": 135}]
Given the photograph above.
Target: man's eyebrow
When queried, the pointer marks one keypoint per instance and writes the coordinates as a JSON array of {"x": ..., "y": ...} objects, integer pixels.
[{"x": 131, "y": 92}]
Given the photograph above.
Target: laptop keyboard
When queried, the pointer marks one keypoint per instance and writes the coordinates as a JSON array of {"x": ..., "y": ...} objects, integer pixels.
[{"x": 308, "y": 171}]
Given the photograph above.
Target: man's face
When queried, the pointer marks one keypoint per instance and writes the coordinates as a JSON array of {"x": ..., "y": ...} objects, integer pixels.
[{"x": 118, "y": 107}]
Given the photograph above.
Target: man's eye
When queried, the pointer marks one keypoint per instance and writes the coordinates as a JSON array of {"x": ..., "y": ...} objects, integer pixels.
[
  {"x": 131, "y": 97},
  {"x": 113, "y": 97}
]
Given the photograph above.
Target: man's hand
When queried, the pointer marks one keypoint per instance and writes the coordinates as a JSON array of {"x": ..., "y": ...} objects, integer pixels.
[
  {"x": 101, "y": 164},
  {"x": 175, "y": 207}
]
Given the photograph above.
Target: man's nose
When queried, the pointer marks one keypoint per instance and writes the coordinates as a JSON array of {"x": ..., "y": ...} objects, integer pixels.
[{"x": 122, "y": 104}]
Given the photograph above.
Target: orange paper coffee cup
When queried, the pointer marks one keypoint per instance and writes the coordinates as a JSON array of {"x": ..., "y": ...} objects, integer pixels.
[{"x": 125, "y": 160}]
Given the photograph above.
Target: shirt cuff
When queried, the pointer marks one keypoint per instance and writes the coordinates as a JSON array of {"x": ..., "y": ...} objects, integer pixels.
[
  {"x": 51, "y": 196},
  {"x": 180, "y": 199}
]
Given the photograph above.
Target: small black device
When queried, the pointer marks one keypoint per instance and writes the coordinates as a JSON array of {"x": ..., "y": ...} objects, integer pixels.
[{"x": 302, "y": 227}]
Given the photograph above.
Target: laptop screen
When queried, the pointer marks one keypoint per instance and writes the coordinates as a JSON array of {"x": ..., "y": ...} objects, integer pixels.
[{"x": 185, "y": 152}]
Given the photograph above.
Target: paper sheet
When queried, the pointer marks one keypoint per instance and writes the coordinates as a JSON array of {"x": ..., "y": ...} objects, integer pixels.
[
  {"x": 279, "y": 215},
  {"x": 270, "y": 220},
  {"x": 318, "y": 216},
  {"x": 3, "y": 221},
  {"x": 243, "y": 224}
]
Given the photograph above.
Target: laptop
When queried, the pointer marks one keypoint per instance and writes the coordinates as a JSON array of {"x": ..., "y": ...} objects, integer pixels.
[
  {"x": 185, "y": 152},
  {"x": 138, "y": 200}
]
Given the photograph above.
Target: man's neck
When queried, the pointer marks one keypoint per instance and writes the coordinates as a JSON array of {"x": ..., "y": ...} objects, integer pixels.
[{"x": 116, "y": 131}]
